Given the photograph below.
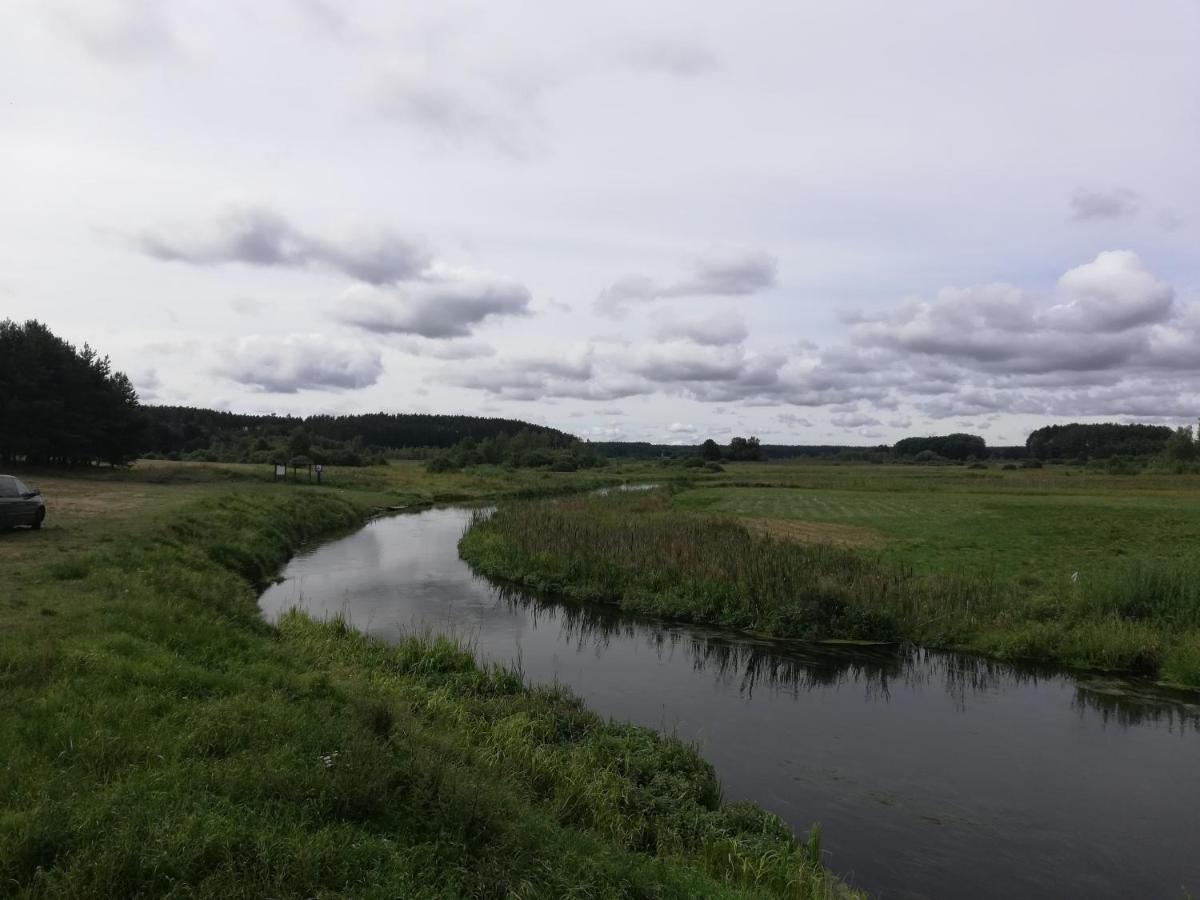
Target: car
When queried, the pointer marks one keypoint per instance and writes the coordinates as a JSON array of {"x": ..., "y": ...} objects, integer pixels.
[{"x": 20, "y": 504}]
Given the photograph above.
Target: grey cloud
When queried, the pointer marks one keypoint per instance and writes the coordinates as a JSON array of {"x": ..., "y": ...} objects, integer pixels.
[
  {"x": 1115, "y": 203},
  {"x": 1170, "y": 219},
  {"x": 443, "y": 309},
  {"x": 854, "y": 420},
  {"x": 671, "y": 56},
  {"x": 249, "y": 306},
  {"x": 720, "y": 275},
  {"x": 497, "y": 111},
  {"x": 445, "y": 349},
  {"x": 794, "y": 420},
  {"x": 715, "y": 330},
  {"x": 116, "y": 31},
  {"x": 299, "y": 362},
  {"x": 1001, "y": 329},
  {"x": 261, "y": 237}
]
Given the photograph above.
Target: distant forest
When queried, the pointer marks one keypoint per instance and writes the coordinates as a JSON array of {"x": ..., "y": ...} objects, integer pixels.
[
  {"x": 1078, "y": 441},
  {"x": 182, "y": 432}
]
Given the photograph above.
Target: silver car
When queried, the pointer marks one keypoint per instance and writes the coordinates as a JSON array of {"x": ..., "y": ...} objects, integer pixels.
[{"x": 20, "y": 504}]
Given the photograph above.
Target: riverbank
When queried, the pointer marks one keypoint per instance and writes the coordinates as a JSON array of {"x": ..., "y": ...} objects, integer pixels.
[
  {"x": 160, "y": 738},
  {"x": 651, "y": 555}
]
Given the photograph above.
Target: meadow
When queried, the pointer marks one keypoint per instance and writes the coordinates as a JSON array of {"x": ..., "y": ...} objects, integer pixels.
[
  {"x": 159, "y": 739},
  {"x": 1056, "y": 564}
]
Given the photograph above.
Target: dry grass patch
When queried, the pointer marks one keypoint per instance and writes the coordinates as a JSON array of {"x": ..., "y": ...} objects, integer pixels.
[{"x": 831, "y": 533}]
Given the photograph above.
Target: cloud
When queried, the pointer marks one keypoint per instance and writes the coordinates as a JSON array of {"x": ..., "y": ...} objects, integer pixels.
[
  {"x": 1113, "y": 292},
  {"x": 1109, "y": 338},
  {"x": 249, "y": 306},
  {"x": 466, "y": 106},
  {"x": 260, "y": 237},
  {"x": 445, "y": 349},
  {"x": 715, "y": 330},
  {"x": 794, "y": 421},
  {"x": 1092, "y": 323},
  {"x": 718, "y": 275},
  {"x": 448, "y": 308},
  {"x": 116, "y": 31},
  {"x": 671, "y": 56},
  {"x": 285, "y": 365},
  {"x": 1116, "y": 203},
  {"x": 1169, "y": 219},
  {"x": 854, "y": 420}
]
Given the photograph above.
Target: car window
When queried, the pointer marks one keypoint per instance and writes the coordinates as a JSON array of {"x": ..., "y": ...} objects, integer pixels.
[
  {"x": 8, "y": 487},
  {"x": 22, "y": 489}
]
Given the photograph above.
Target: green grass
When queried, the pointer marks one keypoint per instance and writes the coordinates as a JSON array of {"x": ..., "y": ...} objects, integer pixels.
[
  {"x": 1005, "y": 533},
  {"x": 159, "y": 739},
  {"x": 659, "y": 554}
]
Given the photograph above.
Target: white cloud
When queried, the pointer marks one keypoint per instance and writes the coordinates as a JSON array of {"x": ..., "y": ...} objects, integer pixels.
[{"x": 299, "y": 362}]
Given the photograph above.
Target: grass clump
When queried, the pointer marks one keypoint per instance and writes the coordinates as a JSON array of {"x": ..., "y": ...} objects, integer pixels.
[
  {"x": 646, "y": 555},
  {"x": 159, "y": 739}
]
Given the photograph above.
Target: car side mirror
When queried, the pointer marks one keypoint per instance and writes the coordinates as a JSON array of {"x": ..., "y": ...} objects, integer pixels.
[{"x": 29, "y": 495}]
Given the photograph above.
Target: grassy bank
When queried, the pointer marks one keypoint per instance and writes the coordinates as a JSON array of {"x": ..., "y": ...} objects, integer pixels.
[
  {"x": 159, "y": 739},
  {"x": 649, "y": 555}
]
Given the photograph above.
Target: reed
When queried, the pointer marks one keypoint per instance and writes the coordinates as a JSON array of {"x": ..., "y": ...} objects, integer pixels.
[{"x": 647, "y": 556}]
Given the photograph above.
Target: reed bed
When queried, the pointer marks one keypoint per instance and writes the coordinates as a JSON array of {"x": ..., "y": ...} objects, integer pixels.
[{"x": 643, "y": 554}]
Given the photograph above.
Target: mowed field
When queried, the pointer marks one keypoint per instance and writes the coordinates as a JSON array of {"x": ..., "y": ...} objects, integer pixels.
[{"x": 1033, "y": 527}]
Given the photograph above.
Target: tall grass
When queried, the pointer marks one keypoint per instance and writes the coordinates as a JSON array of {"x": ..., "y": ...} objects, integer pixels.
[
  {"x": 641, "y": 553},
  {"x": 159, "y": 739}
]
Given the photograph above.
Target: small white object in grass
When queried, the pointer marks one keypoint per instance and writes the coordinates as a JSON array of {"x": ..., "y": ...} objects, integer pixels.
[{"x": 1074, "y": 577}]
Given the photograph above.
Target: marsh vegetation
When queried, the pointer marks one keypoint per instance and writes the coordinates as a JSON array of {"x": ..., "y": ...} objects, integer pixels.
[{"x": 1070, "y": 577}]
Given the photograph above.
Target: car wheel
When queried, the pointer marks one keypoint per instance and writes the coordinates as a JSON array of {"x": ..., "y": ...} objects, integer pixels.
[{"x": 37, "y": 520}]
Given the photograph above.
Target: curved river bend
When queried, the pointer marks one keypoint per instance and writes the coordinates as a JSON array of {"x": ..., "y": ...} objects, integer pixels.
[{"x": 932, "y": 774}]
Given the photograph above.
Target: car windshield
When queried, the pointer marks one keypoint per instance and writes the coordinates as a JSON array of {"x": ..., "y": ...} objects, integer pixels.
[
  {"x": 9, "y": 487},
  {"x": 22, "y": 488}
]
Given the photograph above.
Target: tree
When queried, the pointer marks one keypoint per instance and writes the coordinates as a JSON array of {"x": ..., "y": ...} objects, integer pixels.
[
  {"x": 949, "y": 446},
  {"x": 745, "y": 449},
  {"x": 63, "y": 406},
  {"x": 1181, "y": 446},
  {"x": 710, "y": 451}
]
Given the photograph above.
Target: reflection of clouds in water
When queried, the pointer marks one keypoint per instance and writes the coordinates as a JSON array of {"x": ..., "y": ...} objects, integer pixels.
[{"x": 794, "y": 667}]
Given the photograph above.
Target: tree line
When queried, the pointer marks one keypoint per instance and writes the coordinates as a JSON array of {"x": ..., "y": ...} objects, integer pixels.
[
  {"x": 183, "y": 432},
  {"x": 526, "y": 449},
  {"x": 62, "y": 405},
  {"x": 1080, "y": 441}
]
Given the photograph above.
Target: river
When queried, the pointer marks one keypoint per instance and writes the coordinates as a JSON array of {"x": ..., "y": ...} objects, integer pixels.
[{"x": 933, "y": 775}]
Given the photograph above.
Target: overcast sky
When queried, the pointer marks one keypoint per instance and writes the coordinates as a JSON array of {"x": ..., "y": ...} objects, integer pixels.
[{"x": 814, "y": 222}]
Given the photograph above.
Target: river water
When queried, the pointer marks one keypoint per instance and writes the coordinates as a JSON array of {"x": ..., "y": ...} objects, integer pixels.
[{"x": 932, "y": 774}]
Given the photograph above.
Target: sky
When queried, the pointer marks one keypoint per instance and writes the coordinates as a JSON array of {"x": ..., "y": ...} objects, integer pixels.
[{"x": 811, "y": 222}]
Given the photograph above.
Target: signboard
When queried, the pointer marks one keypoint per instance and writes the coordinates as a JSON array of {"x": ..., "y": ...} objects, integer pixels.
[{"x": 280, "y": 470}]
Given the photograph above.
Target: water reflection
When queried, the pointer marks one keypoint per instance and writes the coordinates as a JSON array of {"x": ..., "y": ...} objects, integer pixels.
[
  {"x": 747, "y": 663},
  {"x": 932, "y": 774}
]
